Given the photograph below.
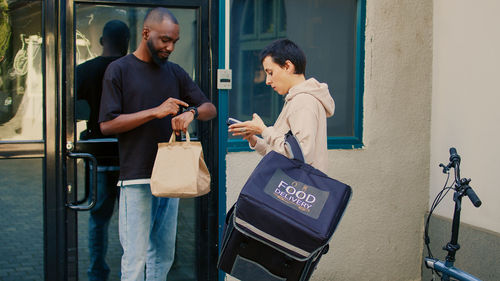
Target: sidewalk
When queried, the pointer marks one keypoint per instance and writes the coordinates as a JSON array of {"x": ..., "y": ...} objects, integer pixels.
[{"x": 21, "y": 229}]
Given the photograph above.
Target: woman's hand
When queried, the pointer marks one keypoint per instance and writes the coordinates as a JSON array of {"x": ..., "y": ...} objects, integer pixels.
[{"x": 248, "y": 129}]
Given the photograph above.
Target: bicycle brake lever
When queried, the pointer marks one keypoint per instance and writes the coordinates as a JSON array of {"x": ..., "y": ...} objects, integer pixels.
[{"x": 445, "y": 168}]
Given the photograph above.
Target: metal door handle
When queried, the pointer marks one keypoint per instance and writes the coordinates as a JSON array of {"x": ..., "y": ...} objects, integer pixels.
[{"x": 93, "y": 168}]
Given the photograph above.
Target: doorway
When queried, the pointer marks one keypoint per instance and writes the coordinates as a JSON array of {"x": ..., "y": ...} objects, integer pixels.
[{"x": 49, "y": 175}]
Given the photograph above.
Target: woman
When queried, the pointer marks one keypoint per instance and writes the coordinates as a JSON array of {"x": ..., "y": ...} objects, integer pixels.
[{"x": 307, "y": 105}]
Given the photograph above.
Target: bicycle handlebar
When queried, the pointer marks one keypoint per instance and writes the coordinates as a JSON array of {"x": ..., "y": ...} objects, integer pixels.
[
  {"x": 473, "y": 197},
  {"x": 461, "y": 188},
  {"x": 454, "y": 157},
  {"x": 469, "y": 192}
]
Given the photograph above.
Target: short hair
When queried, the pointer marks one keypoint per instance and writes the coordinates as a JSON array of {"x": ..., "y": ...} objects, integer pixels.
[
  {"x": 118, "y": 34},
  {"x": 157, "y": 15},
  {"x": 282, "y": 50}
]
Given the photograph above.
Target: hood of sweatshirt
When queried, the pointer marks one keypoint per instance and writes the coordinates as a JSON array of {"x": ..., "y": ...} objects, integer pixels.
[{"x": 316, "y": 89}]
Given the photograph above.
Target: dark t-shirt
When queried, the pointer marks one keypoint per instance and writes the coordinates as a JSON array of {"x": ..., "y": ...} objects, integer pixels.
[
  {"x": 89, "y": 77},
  {"x": 131, "y": 85},
  {"x": 89, "y": 87}
]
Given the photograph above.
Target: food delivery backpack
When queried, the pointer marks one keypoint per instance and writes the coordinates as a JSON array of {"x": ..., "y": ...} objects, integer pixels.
[{"x": 283, "y": 220}]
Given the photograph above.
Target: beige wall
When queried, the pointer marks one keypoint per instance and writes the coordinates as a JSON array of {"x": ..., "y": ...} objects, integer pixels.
[
  {"x": 380, "y": 236},
  {"x": 465, "y": 103}
]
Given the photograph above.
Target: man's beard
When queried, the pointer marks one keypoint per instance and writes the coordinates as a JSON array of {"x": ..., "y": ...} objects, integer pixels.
[{"x": 154, "y": 54}]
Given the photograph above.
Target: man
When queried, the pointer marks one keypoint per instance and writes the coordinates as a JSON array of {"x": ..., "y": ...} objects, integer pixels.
[
  {"x": 114, "y": 41},
  {"x": 142, "y": 94}
]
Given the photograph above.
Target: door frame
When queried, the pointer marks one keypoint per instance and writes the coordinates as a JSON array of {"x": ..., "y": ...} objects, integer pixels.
[{"x": 60, "y": 241}]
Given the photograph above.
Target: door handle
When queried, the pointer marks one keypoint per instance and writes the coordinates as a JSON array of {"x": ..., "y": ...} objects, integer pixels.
[{"x": 93, "y": 184}]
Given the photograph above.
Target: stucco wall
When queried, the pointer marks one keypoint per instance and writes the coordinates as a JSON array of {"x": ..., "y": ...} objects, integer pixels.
[
  {"x": 465, "y": 103},
  {"x": 380, "y": 236}
]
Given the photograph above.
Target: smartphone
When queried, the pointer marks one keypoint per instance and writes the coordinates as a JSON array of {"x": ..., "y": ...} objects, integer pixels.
[{"x": 231, "y": 121}]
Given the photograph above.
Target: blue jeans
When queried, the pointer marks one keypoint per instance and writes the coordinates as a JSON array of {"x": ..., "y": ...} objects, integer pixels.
[
  {"x": 99, "y": 218},
  {"x": 147, "y": 227}
]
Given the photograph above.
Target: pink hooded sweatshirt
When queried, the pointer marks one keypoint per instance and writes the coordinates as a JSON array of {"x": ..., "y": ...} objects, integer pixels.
[{"x": 307, "y": 105}]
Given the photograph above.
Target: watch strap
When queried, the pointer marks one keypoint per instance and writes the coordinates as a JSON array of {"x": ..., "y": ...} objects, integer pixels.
[{"x": 194, "y": 109}]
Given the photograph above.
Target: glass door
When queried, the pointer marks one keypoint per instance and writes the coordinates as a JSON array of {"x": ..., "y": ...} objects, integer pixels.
[
  {"x": 96, "y": 34},
  {"x": 50, "y": 161}
]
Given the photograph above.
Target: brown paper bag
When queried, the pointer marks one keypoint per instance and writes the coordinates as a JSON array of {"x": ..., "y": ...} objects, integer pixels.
[{"x": 179, "y": 170}]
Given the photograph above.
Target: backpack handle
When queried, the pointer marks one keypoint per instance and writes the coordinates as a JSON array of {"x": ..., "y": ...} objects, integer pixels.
[{"x": 294, "y": 147}]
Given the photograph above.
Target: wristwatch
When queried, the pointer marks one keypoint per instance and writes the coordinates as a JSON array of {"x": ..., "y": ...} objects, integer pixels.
[{"x": 194, "y": 109}]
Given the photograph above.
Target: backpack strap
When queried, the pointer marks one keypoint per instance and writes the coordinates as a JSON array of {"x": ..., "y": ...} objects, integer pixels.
[{"x": 294, "y": 147}]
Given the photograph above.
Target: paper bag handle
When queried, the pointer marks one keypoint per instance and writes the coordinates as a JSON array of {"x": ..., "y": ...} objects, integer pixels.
[{"x": 172, "y": 137}]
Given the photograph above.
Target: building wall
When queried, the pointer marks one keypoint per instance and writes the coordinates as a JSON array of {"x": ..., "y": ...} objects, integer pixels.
[
  {"x": 465, "y": 103},
  {"x": 465, "y": 115},
  {"x": 380, "y": 236}
]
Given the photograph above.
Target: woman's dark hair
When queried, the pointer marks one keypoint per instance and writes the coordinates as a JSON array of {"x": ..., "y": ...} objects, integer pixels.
[{"x": 282, "y": 50}]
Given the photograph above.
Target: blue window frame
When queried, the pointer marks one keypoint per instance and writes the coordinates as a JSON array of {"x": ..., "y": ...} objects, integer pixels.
[{"x": 331, "y": 33}]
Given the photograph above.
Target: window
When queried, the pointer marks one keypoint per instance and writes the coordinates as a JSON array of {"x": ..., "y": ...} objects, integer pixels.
[
  {"x": 331, "y": 33},
  {"x": 21, "y": 83}
]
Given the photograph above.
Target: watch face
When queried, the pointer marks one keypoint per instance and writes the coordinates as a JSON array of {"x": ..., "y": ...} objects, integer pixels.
[{"x": 195, "y": 111}]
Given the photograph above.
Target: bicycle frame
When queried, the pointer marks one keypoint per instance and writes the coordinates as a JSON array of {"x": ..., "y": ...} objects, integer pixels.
[
  {"x": 462, "y": 189},
  {"x": 448, "y": 270}
]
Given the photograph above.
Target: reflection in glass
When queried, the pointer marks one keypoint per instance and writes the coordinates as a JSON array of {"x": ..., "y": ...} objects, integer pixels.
[
  {"x": 248, "y": 28},
  {"x": 267, "y": 22},
  {"x": 89, "y": 23},
  {"x": 90, "y": 19},
  {"x": 324, "y": 29},
  {"x": 21, "y": 221},
  {"x": 21, "y": 83},
  {"x": 282, "y": 17}
]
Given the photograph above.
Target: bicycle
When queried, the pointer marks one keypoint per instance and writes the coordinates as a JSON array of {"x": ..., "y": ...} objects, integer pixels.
[{"x": 445, "y": 269}]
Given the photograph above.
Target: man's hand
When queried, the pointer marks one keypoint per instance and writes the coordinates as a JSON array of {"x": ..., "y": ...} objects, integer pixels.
[
  {"x": 130, "y": 121},
  {"x": 168, "y": 107},
  {"x": 181, "y": 122}
]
